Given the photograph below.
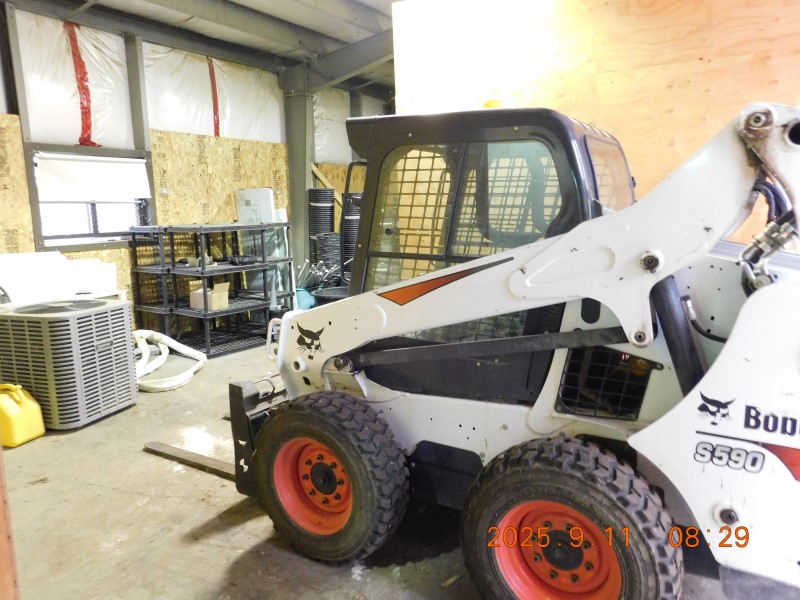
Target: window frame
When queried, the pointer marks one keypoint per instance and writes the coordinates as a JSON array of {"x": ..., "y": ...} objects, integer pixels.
[
  {"x": 93, "y": 241},
  {"x": 11, "y": 50},
  {"x": 374, "y": 138},
  {"x": 593, "y": 141},
  {"x": 454, "y": 155}
]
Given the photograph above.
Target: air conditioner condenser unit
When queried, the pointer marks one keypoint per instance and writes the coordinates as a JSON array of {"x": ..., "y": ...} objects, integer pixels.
[{"x": 75, "y": 358}]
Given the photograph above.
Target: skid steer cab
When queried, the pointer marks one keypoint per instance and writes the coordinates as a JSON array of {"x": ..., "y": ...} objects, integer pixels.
[{"x": 596, "y": 383}]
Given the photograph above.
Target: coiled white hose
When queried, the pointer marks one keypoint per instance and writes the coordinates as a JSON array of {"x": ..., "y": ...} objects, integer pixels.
[{"x": 145, "y": 366}]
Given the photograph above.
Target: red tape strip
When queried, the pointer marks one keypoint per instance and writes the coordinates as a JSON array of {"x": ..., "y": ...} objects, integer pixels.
[
  {"x": 82, "y": 81},
  {"x": 214, "y": 99}
]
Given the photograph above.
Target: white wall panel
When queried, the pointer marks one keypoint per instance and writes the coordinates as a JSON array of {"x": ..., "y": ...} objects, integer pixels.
[{"x": 501, "y": 47}]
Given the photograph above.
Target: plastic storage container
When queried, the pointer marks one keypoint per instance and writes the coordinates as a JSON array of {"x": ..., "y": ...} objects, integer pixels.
[{"x": 20, "y": 416}]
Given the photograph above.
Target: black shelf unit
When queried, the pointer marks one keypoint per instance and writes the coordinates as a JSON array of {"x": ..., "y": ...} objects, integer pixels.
[{"x": 161, "y": 280}]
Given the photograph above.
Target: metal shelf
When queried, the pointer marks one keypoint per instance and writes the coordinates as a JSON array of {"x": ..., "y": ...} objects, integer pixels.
[
  {"x": 235, "y": 305},
  {"x": 225, "y": 330},
  {"x": 152, "y": 269},
  {"x": 147, "y": 229},
  {"x": 225, "y": 268},
  {"x": 154, "y": 307},
  {"x": 221, "y": 228},
  {"x": 228, "y": 339},
  {"x": 210, "y": 270}
]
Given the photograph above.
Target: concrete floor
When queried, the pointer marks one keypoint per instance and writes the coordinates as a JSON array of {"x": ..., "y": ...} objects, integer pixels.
[{"x": 96, "y": 518}]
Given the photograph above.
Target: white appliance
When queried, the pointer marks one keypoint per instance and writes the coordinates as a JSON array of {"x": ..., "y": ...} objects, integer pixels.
[
  {"x": 75, "y": 358},
  {"x": 255, "y": 205},
  {"x": 29, "y": 277}
]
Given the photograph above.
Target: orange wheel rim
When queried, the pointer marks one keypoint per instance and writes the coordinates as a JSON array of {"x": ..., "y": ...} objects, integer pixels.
[
  {"x": 312, "y": 486},
  {"x": 581, "y": 566}
]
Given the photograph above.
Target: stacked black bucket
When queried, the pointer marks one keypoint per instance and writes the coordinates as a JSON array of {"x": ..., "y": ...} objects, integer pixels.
[
  {"x": 320, "y": 218},
  {"x": 349, "y": 233},
  {"x": 328, "y": 253}
]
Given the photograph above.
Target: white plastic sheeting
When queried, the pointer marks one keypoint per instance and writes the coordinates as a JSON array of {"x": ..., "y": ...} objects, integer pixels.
[
  {"x": 178, "y": 90},
  {"x": 372, "y": 107},
  {"x": 331, "y": 110},
  {"x": 180, "y": 98},
  {"x": 250, "y": 103},
  {"x": 77, "y": 89},
  {"x": 52, "y": 89}
]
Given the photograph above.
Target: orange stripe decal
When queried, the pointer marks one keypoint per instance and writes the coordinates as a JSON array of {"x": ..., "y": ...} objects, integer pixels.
[
  {"x": 406, "y": 294},
  {"x": 788, "y": 456}
]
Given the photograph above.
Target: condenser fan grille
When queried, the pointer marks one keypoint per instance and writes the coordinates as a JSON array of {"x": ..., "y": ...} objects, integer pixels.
[{"x": 58, "y": 307}]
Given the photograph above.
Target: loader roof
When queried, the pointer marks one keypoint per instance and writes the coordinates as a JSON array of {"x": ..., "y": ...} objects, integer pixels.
[{"x": 393, "y": 130}]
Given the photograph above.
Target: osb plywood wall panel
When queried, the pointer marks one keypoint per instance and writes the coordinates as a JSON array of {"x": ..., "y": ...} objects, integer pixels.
[
  {"x": 337, "y": 177},
  {"x": 663, "y": 76},
  {"x": 16, "y": 229},
  {"x": 196, "y": 176}
]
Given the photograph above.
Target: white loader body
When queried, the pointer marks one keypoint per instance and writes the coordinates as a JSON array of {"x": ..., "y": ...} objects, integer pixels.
[{"x": 727, "y": 453}]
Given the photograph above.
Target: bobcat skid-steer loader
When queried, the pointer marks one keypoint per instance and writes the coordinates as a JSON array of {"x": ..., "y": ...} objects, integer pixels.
[{"x": 597, "y": 383}]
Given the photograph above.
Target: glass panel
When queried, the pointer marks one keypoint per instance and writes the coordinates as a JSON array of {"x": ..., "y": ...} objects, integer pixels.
[
  {"x": 65, "y": 219},
  {"x": 115, "y": 217},
  {"x": 61, "y": 220},
  {"x": 510, "y": 198},
  {"x": 411, "y": 213},
  {"x": 382, "y": 271},
  {"x": 614, "y": 189}
]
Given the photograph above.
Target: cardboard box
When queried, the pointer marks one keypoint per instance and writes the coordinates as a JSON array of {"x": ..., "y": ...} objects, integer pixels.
[{"x": 217, "y": 297}]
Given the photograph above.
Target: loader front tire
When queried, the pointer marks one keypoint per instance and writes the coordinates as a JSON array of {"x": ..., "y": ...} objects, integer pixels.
[
  {"x": 563, "y": 519},
  {"x": 330, "y": 476}
]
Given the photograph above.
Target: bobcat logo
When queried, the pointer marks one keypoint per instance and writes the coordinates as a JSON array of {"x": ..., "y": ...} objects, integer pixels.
[
  {"x": 309, "y": 341},
  {"x": 715, "y": 409}
]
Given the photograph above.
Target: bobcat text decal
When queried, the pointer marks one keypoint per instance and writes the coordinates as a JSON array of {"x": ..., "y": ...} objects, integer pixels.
[{"x": 771, "y": 423}]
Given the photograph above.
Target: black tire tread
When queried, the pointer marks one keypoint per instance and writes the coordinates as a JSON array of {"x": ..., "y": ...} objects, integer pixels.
[
  {"x": 364, "y": 428},
  {"x": 604, "y": 471}
]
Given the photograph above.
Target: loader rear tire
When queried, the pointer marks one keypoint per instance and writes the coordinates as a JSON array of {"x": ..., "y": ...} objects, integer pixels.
[
  {"x": 537, "y": 525},
  {"x": 331, "y": 476}
]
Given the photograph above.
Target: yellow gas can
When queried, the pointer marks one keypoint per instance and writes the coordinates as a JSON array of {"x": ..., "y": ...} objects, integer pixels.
[{"x": 20, "y": 416}]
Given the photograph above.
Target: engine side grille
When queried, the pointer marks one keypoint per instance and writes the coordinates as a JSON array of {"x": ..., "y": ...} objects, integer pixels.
[{"x": 605, "y": 383}]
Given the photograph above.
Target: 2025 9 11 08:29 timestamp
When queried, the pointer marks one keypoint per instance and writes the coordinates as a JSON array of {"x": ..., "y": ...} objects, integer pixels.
[{"x": 527, "y": 537}]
